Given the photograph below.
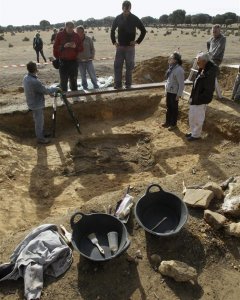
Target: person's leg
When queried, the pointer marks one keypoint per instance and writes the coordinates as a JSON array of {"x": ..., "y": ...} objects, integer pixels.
[
  {"x": 168, "y": 112},
  {"x": 118, "y": 66},
  {"x": 38, "y": 118},
  {"x": 73, "y": 74},
  {"x": 92, "y": 74},
  {"x": 41, "y": 51},
  {"x": 174, "y": 108},
  {"x": 82, "y": 70},
  {"x": 63, "y": 73},
  {"x": 37, "y": 52},
  {"x": 196, "y": 119},
  {"x": 130, "y": 61}
]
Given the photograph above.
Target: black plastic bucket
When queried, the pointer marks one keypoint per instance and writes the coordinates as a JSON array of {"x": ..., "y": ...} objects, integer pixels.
[
  {"x": 100, "y": 224},
  {"x": 161, "y": 213}
]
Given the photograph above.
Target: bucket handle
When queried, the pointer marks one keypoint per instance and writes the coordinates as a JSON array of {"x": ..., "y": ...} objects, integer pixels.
[
  {"x": 150, "y": 186},
  {"x": 73, "y": 218}
]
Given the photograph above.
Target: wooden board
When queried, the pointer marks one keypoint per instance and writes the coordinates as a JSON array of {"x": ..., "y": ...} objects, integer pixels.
[{"x": 109, "y": 90}]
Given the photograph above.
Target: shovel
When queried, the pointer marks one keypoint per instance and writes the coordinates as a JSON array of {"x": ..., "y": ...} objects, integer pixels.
[{"x": 92, "y": 237}]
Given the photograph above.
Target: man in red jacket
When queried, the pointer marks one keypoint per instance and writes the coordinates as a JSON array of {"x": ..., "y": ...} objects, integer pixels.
[{"x": 66, "y": 47}]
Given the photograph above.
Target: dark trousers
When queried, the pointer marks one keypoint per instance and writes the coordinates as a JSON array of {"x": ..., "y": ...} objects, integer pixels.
[
  {"x": 172, "y": 110},
  {"x": 68, "y": 70},
  {"x": 41, "y": 52},
  {"x": 124, "y": 54}
]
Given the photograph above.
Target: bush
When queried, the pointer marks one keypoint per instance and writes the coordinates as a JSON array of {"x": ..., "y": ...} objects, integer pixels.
[{"x": 26, "y": 39}]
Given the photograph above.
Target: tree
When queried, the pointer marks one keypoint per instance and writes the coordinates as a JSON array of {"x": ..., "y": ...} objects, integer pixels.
[
  {"x": 177, "y": 17},
  {"x": 201, "y": 19},
  {"x": 149, "y": 21},
  {"x": 44, "y": 24},
  {"x": 188, "y": 19},
  {"x": 230, "y": 16},
  {"x": 163, "y": 19},
  {"x": 218, "y": 19}
]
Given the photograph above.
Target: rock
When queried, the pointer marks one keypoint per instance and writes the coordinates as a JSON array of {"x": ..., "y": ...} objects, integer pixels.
[
  {"x": 233, "y": 229},
  {"x": 215, "y": 188},
  {"x": 138, "y": 254},
  {"x": 214, "y": 219},
  {"x": 155, "y": 260},
  {"x": 231, "y": 203},
  {"x": 178, "y": 270},
  {"x": 198, "y": 197}
]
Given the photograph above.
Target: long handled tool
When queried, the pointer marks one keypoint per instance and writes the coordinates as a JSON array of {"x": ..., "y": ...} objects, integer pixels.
[
  {"x": 71, "y": 113},
  {"x": 54, "y": 115}
]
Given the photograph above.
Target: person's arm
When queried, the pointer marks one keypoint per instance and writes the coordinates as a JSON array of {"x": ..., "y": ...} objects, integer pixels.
[
  {"x": 206, "y": 95},
  {"x": 56, "y": 46},
  {"x": 220, "y": 48},
  {"x": 180, "y": 80},
  {"x": 113, "y": 29},
  {"x": 41, "y": 89},
  {"x": 92, "y": 49},
  {"x": 143, "y": 31}
]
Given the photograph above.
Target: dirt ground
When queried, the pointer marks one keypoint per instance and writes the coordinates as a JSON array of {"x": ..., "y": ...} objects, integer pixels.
[{"x": 121, "y": 144}]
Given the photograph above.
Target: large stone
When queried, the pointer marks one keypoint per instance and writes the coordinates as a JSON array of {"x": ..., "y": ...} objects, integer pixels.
[
  {"x": 231, "y": 204},
  {"x": 233, "y": 229},
  {"x": 215, "y": 188},
  {"x": 198, "y": 197},
  {"x": 214, "y": 219},
  {"x": 177, "y": 270}
]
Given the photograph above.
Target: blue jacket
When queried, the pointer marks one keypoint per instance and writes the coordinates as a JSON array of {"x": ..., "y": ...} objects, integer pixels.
[{"x": 34, "y": 91}]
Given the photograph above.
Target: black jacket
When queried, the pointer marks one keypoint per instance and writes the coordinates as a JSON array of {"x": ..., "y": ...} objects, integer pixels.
[
  {"x": 204, "y": 85},
  {"x": 37, "y": 44},
  {"x": 127, "y": 29}
]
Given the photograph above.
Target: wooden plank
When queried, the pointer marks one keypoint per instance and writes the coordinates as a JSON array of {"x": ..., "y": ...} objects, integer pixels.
[{"x": 109, "y": 90}]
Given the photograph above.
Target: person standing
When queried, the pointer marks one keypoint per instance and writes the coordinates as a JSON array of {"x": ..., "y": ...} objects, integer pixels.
[
  {"x": 34, "y": 91},
  {"x": 53, "y": 36},
  {"x": 236, "y": 87},
  {"x": 38, "y": 46},
  {"x": 216, "y": 45},
  {"x": 66, "y": 47},
  {"x": 201, "y": 94},
  {"x": 174, "y": 89},
  {"x": 126, "y": 25},
  {"x": 85, "y": 59}
]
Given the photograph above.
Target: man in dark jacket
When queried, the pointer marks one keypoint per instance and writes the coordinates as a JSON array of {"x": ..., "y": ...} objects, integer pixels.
[
  {"x": 126, "y": 23},
  {"x": 38, "y": 46},
  {"x": 66, "y": 47},
  {"x": 201, "y": 95}
]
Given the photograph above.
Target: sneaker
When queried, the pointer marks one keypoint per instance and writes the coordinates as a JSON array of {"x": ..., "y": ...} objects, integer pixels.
[
  {"x": 117, "y": 87},
  {"x": 165, "y": 125},
  {"x": 191, "y": 138},
  {"x": 187, "y": 135},
  {"x": 171, "y": 128},
  {"x": 128, "y": 87},
  {"x": 44, "y": 141}
]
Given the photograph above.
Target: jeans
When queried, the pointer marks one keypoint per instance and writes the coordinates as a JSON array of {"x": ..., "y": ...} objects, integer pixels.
[
  {"x": 68, "y": 69},
  {"x": 84, "y": 67},
  {"x": 41, "y": 52},
  {"x": 38, "y": 118},
  {"x": 127, "y": 54},
  {"x": 172, "y": 109}
]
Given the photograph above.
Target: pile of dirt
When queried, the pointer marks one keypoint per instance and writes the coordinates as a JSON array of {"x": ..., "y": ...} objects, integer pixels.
[{"x": 154, "y": 70}]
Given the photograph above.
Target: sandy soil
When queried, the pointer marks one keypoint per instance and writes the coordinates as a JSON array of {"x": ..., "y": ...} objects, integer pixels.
[{"x": 121, "y": 144}]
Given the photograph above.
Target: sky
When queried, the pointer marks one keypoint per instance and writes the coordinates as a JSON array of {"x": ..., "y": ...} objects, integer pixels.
[{"x": 31, "y": 12}]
